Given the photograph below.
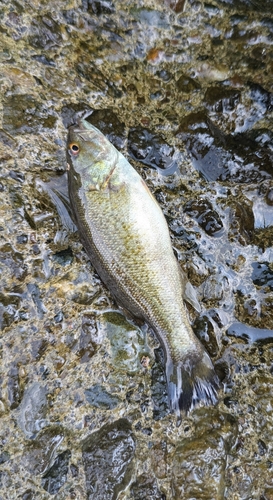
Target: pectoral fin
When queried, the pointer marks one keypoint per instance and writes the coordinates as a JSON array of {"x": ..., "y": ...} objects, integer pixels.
[{"x": 191, "y": 297}]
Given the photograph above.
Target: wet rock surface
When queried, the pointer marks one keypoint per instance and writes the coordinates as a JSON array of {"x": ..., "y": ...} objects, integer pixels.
[
  {"x": 107, "y": 457},
  {"x": 184, "y": 90}
]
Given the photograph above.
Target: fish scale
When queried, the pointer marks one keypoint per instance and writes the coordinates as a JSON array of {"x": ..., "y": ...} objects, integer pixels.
[{"x": 127, "y": 239}]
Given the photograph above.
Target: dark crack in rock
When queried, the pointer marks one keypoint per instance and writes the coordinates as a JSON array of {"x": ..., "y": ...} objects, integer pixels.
[
  {"x": 158, "y": 387},
  {"x": 204, "y": 329},
  {"x": 107, "y": 458}
]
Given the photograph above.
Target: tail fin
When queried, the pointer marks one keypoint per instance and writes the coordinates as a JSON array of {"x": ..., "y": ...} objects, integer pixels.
[{"x": 191, "y": 380}]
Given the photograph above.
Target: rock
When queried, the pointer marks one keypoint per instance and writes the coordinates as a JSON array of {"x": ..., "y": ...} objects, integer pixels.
[
  {"x": 98, "y": 397},
  {"x": 99, "y": 7},
  {"x": 33, "y": 409},
  {"x": 262, "y": 275},
  {"x": 186, "y": 84},
  {"x": 9, "y": 307},
  {"x": 224, "y": 157},
  {"x": 146, "y": 487},
  {"x": 248, "y": 5},
  {"x": 34, "y": 292},
  {"x": 269, "y": 197},
  {"x": 221, "y": 99},
  {"x": 261, "y": 96},
  {"x": 107, "y": 459},
  {"x": 56, "y": 476},
  {"x": 95, "y": 78},
  {"x": 151, "y": 150},
  {"x": 45, "y": 33},
  {"x": 204, "y": 329},
  {"x": 13, "y": 386},
  {"x": 202, "y": 211},
  {"x": 200, "y": 462},
  {"x": 22, "y": 114},
  {"x": 91, "y": 338},
  {"x": 126, "y": 340},
  {"x": 41, "y": 453},
  {"x": 110, "y": 125},
  {"x": 64, "y": 257},
  {"x": 241, "y": 217},
  {"x": 249, "y": 334},
  {"x": 70, "y": 112},
  {"x": 28, "y": 495},
  {"x": 13, "y": 262}
]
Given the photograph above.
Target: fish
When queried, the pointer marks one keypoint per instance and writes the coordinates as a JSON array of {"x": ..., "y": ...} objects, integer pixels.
[{"x": 127, "y": 239}]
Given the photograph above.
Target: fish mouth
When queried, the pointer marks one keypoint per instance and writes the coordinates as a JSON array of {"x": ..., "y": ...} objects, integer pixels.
[{"x": 79, "y": 117}]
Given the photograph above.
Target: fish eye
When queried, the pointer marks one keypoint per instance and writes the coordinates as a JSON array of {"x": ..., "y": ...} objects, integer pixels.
[{"x": 74, "y": 148}]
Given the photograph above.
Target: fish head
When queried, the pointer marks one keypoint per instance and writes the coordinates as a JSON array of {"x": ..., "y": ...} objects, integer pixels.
[{"x": 89, "y": 153}]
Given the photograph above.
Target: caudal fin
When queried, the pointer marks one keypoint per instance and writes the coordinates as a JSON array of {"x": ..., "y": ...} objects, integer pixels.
[{"x": 191, "y": 381}]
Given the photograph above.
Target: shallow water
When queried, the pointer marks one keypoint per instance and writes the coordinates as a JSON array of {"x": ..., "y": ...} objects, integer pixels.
[{"x": 181, "y": 88}]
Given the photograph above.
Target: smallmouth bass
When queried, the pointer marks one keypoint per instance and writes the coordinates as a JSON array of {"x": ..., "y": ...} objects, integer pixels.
[{"x": 127, "y": 240}]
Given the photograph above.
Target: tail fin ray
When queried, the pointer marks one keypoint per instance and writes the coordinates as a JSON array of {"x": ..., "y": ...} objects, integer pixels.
[{"x": 191, "y": 381}]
